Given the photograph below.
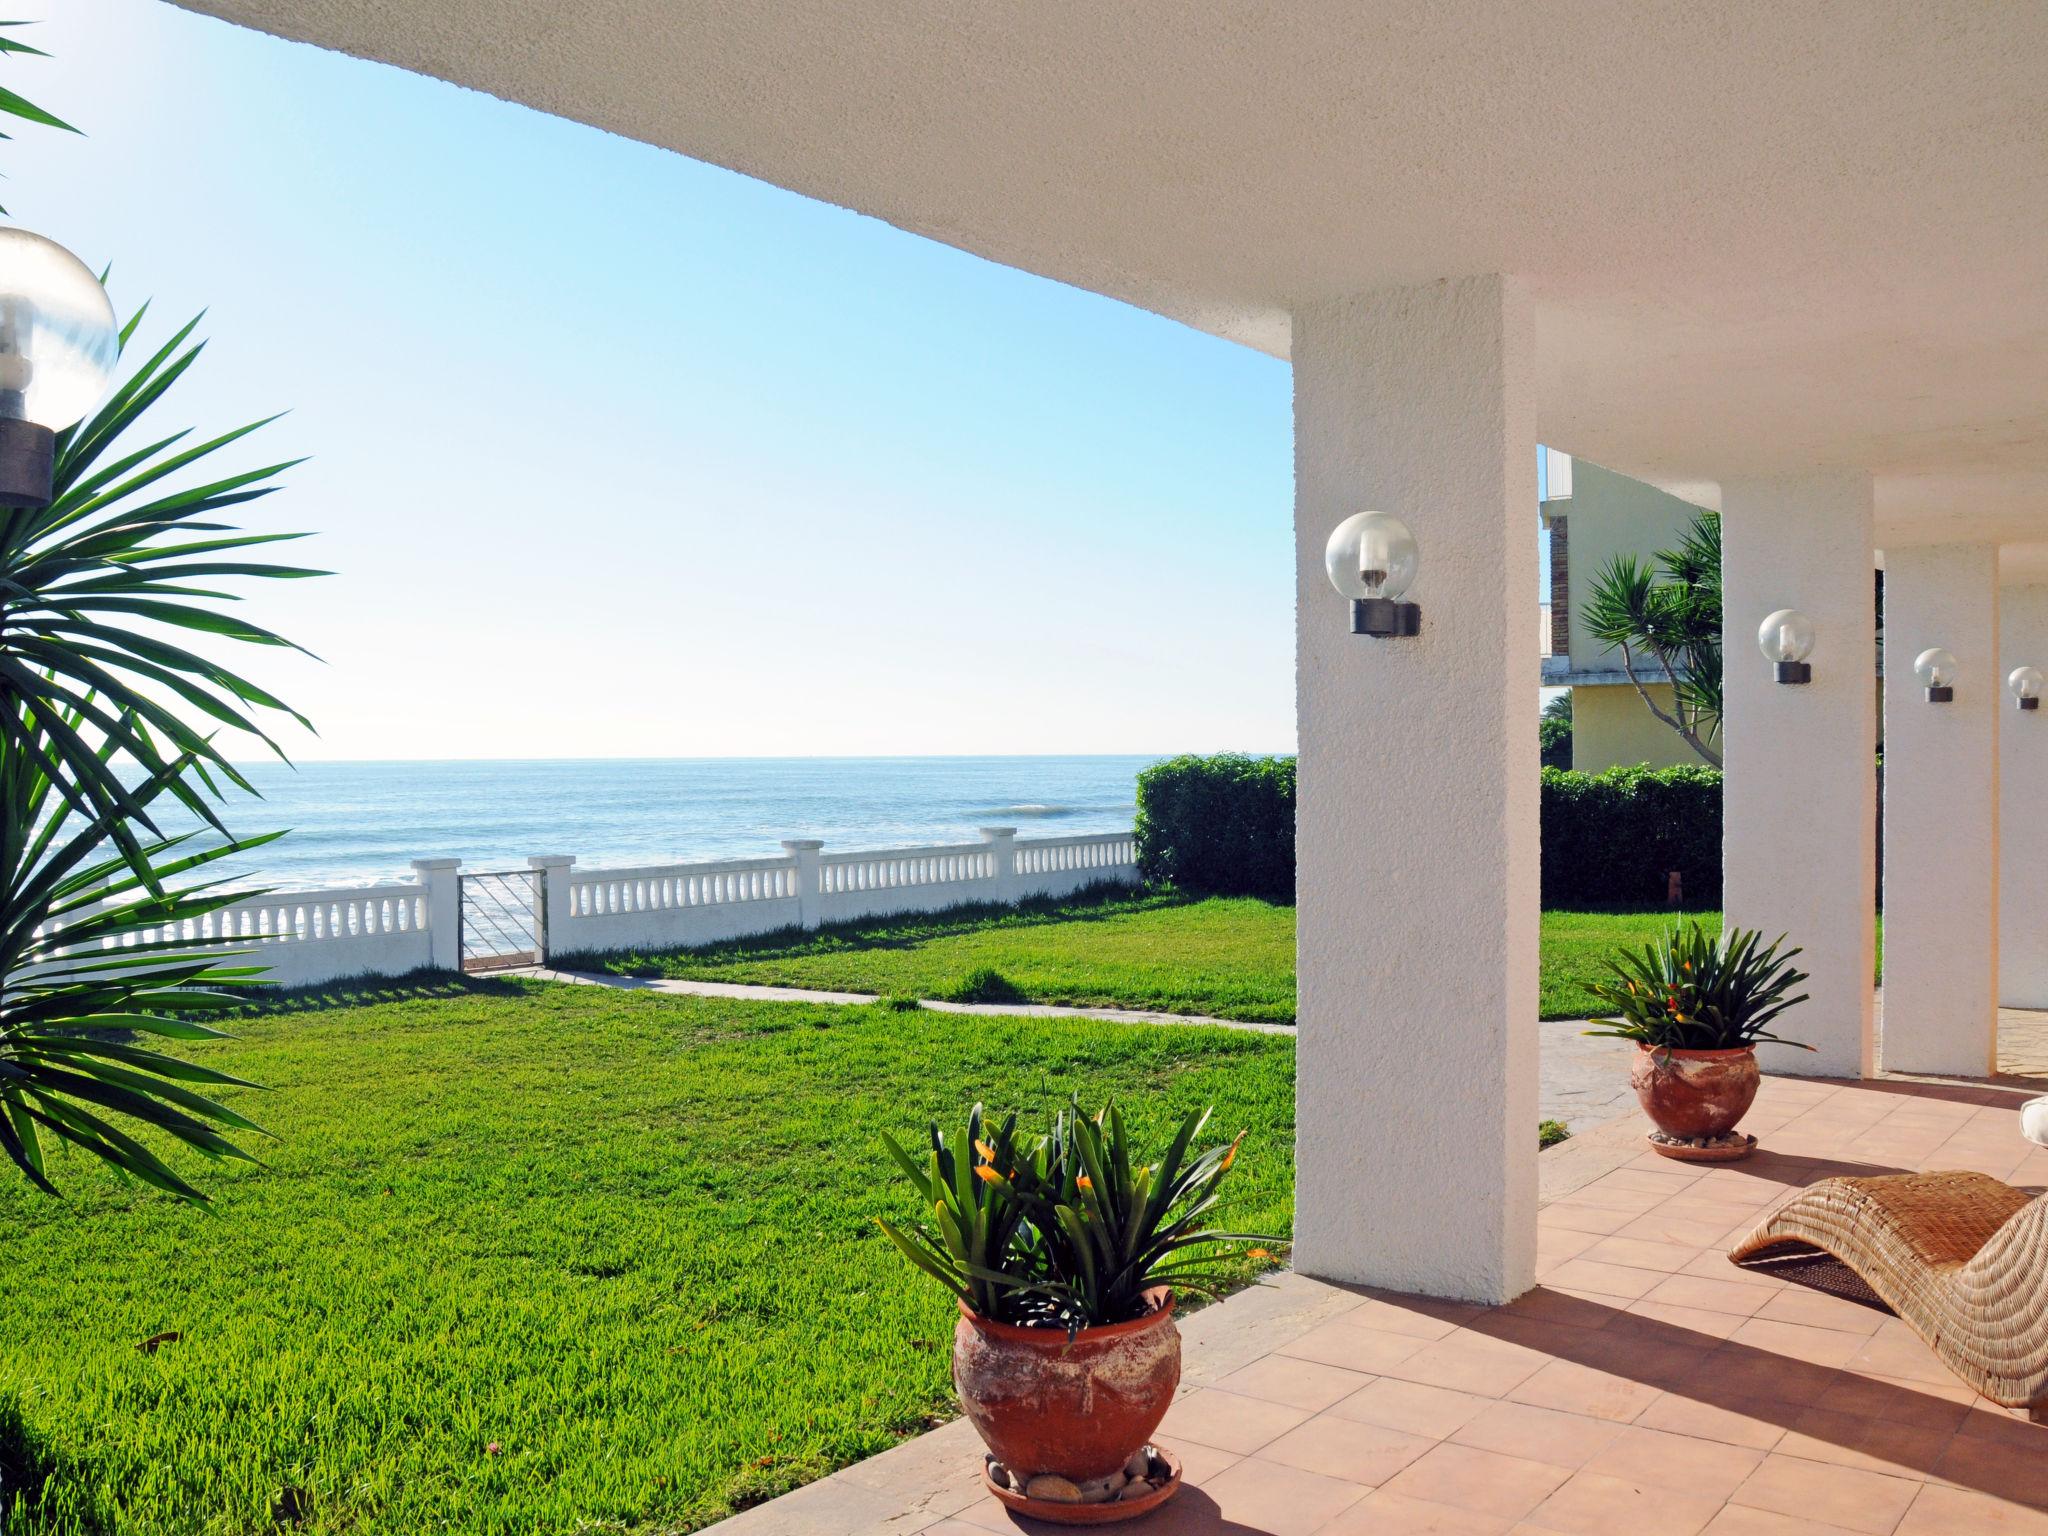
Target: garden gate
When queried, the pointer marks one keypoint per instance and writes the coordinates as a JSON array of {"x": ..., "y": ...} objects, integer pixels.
[{"x": 502, "y": 919}]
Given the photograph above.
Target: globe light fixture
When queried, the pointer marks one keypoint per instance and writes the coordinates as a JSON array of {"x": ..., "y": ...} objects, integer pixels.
[
  {"x": 1371, "y": 560},
  {"x": 1786, "y": 639},
  {"x": 2025, "y": 683},
  {"x": 1936, "y": 669},
  {"x": 58, "y": 344}
]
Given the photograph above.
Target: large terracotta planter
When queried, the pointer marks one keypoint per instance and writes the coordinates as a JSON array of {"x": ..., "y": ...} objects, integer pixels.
[
  {"x": 1694, "y": 1095},
  {"x": 1076, "y": 1407}
]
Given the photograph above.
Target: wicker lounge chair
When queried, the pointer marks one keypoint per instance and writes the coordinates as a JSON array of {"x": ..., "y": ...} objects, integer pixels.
[{"x": 1960, "y": 1257}]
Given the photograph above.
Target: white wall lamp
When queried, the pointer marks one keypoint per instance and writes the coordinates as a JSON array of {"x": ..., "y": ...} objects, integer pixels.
[
  {"x": 58, "y": 345},
  {"x": 1936, "y": 669},
  {"x": 1786, "y": 639},
  {"x": 1371, "y": 560},
  {"x": 2025, "y": 683}
]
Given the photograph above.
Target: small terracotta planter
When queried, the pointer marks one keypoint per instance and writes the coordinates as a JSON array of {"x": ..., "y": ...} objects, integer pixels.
[
  {"x": 1079, "y": 1407},
  {"x": 1696, "y": 1098}
]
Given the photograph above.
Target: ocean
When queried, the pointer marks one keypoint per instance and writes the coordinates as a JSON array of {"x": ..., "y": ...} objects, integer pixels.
[{"x": 362, "y": 823}]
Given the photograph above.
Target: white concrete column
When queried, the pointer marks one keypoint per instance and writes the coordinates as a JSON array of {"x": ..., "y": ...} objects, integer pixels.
[
  {"x": 550, "y": 902},
  {"x": 1002, "y": 843},
  {"x": 1416, "y": 826},
  {"x": 809, "y": 890},
  {"x": 1941, "y": 814},
  {"x": 2023, "y": 806},
  {"x": 1799, "y": 804},
  {"x": 444, "y": 911}
]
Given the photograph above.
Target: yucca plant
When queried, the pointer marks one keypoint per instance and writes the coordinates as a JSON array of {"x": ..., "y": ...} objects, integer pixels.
[
  {"x": 99, "y": 592},
  {"x": 974, "y": 1242},
  {"x": 93, "y": 955},
  {"x": 1691, "y": 992}
]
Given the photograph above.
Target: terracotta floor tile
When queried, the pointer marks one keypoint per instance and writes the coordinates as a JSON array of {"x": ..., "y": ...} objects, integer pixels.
[
  {"x": 1367, "y": 1350},
  {"x": 1548, "y": 1304},
  {"x": 1943, "y": 1511},
  {"x": 1505, "y": 1486},
  {"x": 1874, "y": 1445},
  {"x": 1800, "y": 1341},
  {"x": 1715, "y": 1266},
  {"x": 1709, "y": 1295},
  {"x": 1690, "y": 1231},
  {"x": 1644, "y": 1253},
  {"x": 1987, "y": 1421},
  {"x": 1284, "y": 1501},
  {"x": 1736, "y": 1373},
  {"x": 1366, "y": 1454},
  {"x": 1860, "y": 1501},
  {"x": 1604, "y": 1279},
  {"x": 1663, "y": 1320},
  {"x": 1585, "y": 1218},
  {"x": 1758, "y": 1425},
  {"x": 1227, "y": 1421},
  {"x": 1538, "y": 1434},
  {"x": 1201, "y": 1462},
  {"x": 1298, "y": 1383},
  {"x": 1933, "y": 1405},
  {"x": 1413, "y": 1319},
  {"x": 1736, "y": 1520},
  {"x": 1595, "y": 1505},
  {"x": 1905, "y": 1358},
  {"x": 1655, "y": 1457},
  {"x": 1469, "y": 1362},
  {"x": 1596, "y": 1394},
  {"x": 1556, "y": 1244},
  {"x": 1381, "y": 1513},
  {"x": 1994, "y": 1468},
  {"x": 1419, "y": 1409},
  {"x": 1796, "y": 1304}
]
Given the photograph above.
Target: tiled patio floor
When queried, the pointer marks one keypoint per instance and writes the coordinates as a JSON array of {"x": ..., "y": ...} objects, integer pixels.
[{"x": 1646, "y": 1388}]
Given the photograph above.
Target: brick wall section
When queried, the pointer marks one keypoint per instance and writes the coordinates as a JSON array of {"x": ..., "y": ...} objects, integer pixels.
[{"x": 1560, "y": 589}]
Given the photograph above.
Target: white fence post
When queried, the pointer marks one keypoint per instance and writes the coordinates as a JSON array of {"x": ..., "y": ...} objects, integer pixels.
[
  {"x": 444, "y": 911},
  {"x": 809, "y": 908},
  {"x": 1002, "y": 846},
  {"x": 550, "y": 901}
]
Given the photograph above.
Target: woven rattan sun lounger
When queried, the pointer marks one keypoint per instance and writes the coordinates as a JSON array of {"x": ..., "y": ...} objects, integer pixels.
[{"x": 1960, "y": 1257}]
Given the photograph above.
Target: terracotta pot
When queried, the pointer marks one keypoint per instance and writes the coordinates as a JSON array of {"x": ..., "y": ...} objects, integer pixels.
[
  {"x": 1694, "y": 1093},
  {"x": 1079, "y": 1407}
]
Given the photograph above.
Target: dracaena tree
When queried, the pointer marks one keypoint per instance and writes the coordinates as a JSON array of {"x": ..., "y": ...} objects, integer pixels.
[
  {"x": 1666, "y": 623},
  {"x": 113, "y": 705}
]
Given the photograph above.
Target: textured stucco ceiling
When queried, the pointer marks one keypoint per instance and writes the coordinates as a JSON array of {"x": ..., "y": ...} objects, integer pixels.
[{"x": 1762, "y": 236}]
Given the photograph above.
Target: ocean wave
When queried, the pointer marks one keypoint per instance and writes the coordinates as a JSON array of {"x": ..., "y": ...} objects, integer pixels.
[{"x": 1039, "y": 812}]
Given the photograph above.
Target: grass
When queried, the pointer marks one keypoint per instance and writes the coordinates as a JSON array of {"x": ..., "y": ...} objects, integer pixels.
[
  {"x": 626, "y": 1239},
  {"x": 1227, "y": 958}
]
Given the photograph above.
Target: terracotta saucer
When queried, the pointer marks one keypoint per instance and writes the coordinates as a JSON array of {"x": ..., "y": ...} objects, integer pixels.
[
  {"x": 1093, "y": 1514},
  {"x": 1733, "y": 1152}
]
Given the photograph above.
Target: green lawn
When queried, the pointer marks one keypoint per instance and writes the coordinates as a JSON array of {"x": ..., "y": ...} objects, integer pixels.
[
  {"x": 1228, "y": 958},
  {"x": 625, "y": 1238}
]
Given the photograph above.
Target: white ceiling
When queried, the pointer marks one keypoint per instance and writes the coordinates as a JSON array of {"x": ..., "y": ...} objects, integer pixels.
[{"x": 1762, "y": 236}]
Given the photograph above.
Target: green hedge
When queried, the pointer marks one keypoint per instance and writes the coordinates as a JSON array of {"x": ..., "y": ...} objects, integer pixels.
[
  {"x": 1225, "y": 825},
  {"x": 1610, "y": 839}
]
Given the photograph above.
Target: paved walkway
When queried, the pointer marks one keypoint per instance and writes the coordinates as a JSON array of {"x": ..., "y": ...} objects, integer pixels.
[{"x": 1645, "y": 1388}]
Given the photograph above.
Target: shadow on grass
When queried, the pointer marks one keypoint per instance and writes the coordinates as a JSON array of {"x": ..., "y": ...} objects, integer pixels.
[
  {"x": 1097, "y": 903},
  {"x": 368, "y": 991},
  {"x": 26, "y": 1464}
]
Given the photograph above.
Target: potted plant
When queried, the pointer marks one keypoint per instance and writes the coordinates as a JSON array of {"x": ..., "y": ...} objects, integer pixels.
[
  {"x": 1697, "y": 1008},
  {"x": 1064, "y": 1252}
]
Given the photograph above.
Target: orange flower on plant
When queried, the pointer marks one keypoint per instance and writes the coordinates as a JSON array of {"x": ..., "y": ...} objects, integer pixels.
[
  {"x": 988, "y": 1175},
  {"x": 988, "y": 1153},
  {"x": 1231, "y": 1156},
  {"x": 1084, "y": 1182},
  {"x": 1257, "y": 1253}
]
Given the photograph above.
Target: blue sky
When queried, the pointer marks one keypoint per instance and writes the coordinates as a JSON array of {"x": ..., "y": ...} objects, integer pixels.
[{"x": 617, "y": 454}]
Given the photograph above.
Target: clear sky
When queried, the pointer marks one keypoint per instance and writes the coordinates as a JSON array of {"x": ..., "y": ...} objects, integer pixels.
[{"x": 617, "y": 454}]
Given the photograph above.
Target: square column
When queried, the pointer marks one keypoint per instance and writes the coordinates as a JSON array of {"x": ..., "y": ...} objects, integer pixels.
[
  {"x": 1416, "y": 822},
  {"x": 1799, "y": 801},
  {"x": 1941, "y": 814},
  {"x": 2022, "y": 825}
]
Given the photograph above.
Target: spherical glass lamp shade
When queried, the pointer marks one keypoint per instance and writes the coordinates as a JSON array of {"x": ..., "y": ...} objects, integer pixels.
[
  {"x": 1936, "y": 668},
  {"x": 1786, "y": 635},
  {"x": 58, "y": 337},
  {"x": 1371, "y": 555},
  {"x": 2025, "y": 682}
]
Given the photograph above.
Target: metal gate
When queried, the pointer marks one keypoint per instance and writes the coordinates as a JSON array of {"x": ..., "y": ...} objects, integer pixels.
[{"x": 503, "y": 921}]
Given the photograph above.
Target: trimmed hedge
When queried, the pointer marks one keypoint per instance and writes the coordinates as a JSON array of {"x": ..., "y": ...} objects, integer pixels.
[
  {"x": 1611, "y": 839},
  {"x": 1221, "y": 825},
  {"x": 1225, "y": 826}
]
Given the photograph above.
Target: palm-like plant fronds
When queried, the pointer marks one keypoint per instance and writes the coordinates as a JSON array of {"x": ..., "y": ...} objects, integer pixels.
[
  {"x": 95, "y": 952},
  {"x": 18, "y": 106},
  {"x": 100, "y": 593},
  {"x": 1670, "y": 615}
]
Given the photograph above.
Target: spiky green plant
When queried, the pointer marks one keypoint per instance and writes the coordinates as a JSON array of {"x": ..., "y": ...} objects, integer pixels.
[
  {"x": 98, "y": 601},
  {"x": 15, "y": 105},
  {"x": 1670, "y": 616},
  {"x": 1691, "y": 992},
  {"x": 95, "y": 953}
]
